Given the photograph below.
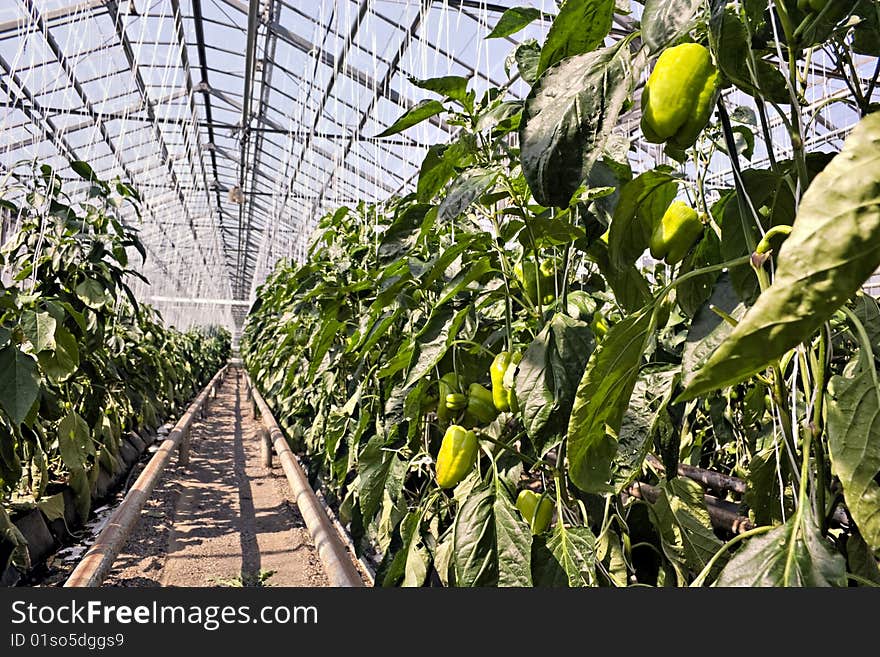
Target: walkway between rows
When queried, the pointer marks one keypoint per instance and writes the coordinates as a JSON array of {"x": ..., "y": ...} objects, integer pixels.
[{"x": 225, "y": 519}]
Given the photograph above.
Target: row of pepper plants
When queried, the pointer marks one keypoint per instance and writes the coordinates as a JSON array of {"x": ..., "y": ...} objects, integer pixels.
[
  {"x": 81, "y": 361},
  {"x": 496, "y": 393}
]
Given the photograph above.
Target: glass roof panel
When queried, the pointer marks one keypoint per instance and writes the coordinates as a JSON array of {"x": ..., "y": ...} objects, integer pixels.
[{"x": 158, "y": 91}]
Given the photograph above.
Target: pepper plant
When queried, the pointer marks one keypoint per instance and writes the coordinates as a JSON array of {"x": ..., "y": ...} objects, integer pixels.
[
  {"x": 707, "y": 419},
  {"x": 81, "y": 361}
]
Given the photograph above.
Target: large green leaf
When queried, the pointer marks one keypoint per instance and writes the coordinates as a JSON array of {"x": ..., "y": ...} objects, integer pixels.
[
  {"x": 449, "y": 86},
  {"x": 464, "y": 190},
  {"x": 400, "y": 237},
  {"x": 567, "y": 119},
  {"x": 74, "y": 441},
  {"x": 664, "y": 21},
  {"x": 322, "y": 341},
  {"x": 794, "y": 554},
  {"x": 708, "y": 329},
  {"x": 602, "y": 398},
  {"x": 546, "y": 231},
  {"x": 19, "y": 383},
  {"x": 652, "y": 391},
  {"x": 733, "y": 45},
  {"x": 580, "y": 27},
  {"x": 682, "y": 520},
  {"x": 374, "y": 467},
  {"x": 410, "y": 562},
  {"x": 513, "y": 20},
  {"x": 432, "y": 341},
  {"x": 14, "y": 544},
  {"x": 419, "y": 112},
  {"x": 60, "y": 364},
  {"x": 568, "y": 558},
  {"x": 692, "y": 293},
  {"x": 833, "y": 248},
  {"x": 548, "y": 376},
  {"x": 92, "y": 293},
  {"x": 492, "y": 541},
  {"x": 853, "y": 406},
  {"x": 39, "y": 329},
  {"x": 471, "y": 272},
  {"x": 629, "y": 285}
]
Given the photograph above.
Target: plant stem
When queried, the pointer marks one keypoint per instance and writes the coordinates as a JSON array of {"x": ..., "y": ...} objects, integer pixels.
[
  {"x": 818, "y": 426},
  {"x": 799, "y": 514}
]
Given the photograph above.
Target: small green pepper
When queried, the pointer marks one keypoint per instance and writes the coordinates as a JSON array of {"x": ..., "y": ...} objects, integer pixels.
[
  {"x": 455, "y": 401},
  {"x": 480, "y": 406},
  {"x": 503, "y": 396},
  {"x": 580, "y": 305},
  {"x": 675, "y": 233},
  {"x": 536, "y": 509},
  {"x": 457, "y": 456},
  {"x": 449, "y": 384},
  {"x": 537, "y": 279}
]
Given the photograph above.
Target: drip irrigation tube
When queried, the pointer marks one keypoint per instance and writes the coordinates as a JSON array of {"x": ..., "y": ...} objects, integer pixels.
[{"x": 98, "y": 561}]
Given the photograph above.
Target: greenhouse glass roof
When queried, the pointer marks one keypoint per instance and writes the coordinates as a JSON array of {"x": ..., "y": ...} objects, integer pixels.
[{"x": 240, "y": 123}]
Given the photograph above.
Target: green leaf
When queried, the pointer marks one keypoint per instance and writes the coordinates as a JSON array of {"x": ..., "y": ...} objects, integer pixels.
[
  {"x": 492, "y": 543},
  {"x": 39, "y": 329},
  {"x": 466, "y": 189},
  {"x": 513, "y": 20},
  {"x": 769, "y": 499},
  {"x": 795, "y": 554},
  {"x": 567, "y": 119},
  {"x": 580, "y": 26},
  {"x": 866, "y": 309},
  {"x": 435, "y": 172},
  {"x": 432, "y": 341},
  {"x": 665, "y": 21},
  {"x": 861, "y": 560},
  {"x": 10, "y": 535},
  {"x": 866, "y": 35},
  {"x": 449, "y": 86},
  {"x": 567, "y": 559},
  {"x": 630, "y": 287},
  {"x": 401, "y": 236},
  {"x": 74, "y": 441},
  {"x": 321, "y": 342},
  {"x": 91, "y": 293},
  {"x": 419, "y": 112},
  {"x": 19, "y": 383},
  {"x": 527, "y": 56},
  {"x": 59, "y": 365},
  {"x": 708, "y": 329},
  {"x": 681, "y": 518},
  {"x": 692, "y": 293},
  {"x": 602, "y": 398},
  {"x": 833, "y": 248},
  {"x": 549, "y": 231},
  {"x": 640, "y": 422},
  {"x": 469, "y": 273},
  {"x": 732, "y": 49},
  {"x": 548, "y": 376},
  {"x": 83, "y": 170},
  {"x": 853, "y": 404},
  {"x": 374, "y": 465},
  {"x": 416, "y": 566}
]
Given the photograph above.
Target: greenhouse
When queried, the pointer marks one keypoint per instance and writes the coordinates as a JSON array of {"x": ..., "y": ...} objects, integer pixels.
[{"x": 439, "y": 293}]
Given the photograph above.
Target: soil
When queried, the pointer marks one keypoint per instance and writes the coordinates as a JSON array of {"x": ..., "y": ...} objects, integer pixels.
[{"x": 225, "y": 519}]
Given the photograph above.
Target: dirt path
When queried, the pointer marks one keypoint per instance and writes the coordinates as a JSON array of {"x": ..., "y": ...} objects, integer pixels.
[{"x": 225, "y": 520}]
